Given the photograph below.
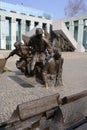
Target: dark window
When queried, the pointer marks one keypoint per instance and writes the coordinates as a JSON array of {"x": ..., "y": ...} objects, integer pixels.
[
  {"x": 28, "y": 23},
  {"x": 67, "y": 25},
  {"x": 36, "y": 23},
  {"x": 76, "y": 30},
  {"x": 18, "y": 30}
]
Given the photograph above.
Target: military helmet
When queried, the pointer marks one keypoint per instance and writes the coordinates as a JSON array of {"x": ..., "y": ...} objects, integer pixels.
[
  {"x": 39, "y": 31},
  {"x": 17, "y": 44}
]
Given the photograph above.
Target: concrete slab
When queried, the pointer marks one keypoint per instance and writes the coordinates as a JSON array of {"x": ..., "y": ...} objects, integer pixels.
[{"x": 1, "y": 56}]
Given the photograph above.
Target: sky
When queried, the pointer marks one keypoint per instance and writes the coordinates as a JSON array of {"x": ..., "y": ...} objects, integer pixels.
[{"x": 54, "y": 7}]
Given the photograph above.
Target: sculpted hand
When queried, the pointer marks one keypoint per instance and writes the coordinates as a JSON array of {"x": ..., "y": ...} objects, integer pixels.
[{"x": 6, "y": 58}]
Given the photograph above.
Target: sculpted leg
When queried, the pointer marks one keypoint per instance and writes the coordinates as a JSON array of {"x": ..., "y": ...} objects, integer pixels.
[{"x": 44, "y": 74}]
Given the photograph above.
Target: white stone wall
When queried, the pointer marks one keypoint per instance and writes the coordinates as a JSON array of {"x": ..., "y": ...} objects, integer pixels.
[
  {"x": 60, "y": 25},
  {"x": 23, "y": 18}
]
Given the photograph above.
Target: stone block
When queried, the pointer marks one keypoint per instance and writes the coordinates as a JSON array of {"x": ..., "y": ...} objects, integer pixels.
[{"x": 2, "y": 64}]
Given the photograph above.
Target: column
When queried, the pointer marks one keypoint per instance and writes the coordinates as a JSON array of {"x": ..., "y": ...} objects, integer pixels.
[
  {"x": 32, "y": 25},
  {"x": 23, "y": 26},
  {"x": 2, "y": 33},
  {"x": 48, "y": 27},
  {"x": 40, "y": 24},
  {"x": 71, "y": 28},
  {"x": 80, "y": 31},
  {"x": 13, "y": 32}
]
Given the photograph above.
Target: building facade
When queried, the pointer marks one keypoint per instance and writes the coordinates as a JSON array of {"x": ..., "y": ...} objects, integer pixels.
[
  {"x": 78, "y": 28},
  {"x": 16, "y": 20}
]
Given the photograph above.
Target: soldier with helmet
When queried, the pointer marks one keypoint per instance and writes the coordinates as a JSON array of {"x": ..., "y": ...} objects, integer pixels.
[
  {"x": 16, "y": 51},
  {"x": 40, "y": 45},
  {"x": 53, "y": 69},
  {"x": 23, "y": 52}
]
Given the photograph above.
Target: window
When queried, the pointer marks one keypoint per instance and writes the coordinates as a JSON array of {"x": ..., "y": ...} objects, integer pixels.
[
  {"x": 76, "y": 30},
  {"x": 67, "y": 25},
  {"x": 36, "y": 23},
  {"x": 18, "y": 30},
  {"x": 28, "y": 23},
  {"x": 44, "y": 26},
  {"x": 85, "y": 33}
]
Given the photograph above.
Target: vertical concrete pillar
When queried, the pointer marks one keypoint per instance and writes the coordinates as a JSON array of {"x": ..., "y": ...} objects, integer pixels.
[
  {"x": 48, "y": 27},
  {"x": 71, "y": 28},
  {"x": 2, "y": 33},
  {"x": 80, "y": 31},
  {"x": 23, "y": 27},
  {"x": 13, "y": 32},
  {"x": 40, "y": 24},
  {"x": 32, "y": 25}
]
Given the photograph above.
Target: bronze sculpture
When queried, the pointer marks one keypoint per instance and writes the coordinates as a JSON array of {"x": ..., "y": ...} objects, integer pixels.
[
  {"x": 53, "y": 70},
  {"x": 39, "y": 44},
  {"x": 49, "y": 112},
  {"x": 40, "y": 58},
  {"x": 24, "y": 56}
]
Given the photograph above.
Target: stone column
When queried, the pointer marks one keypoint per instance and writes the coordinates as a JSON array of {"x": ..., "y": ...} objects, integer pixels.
[
  {"x": 13, "y": 32},
  {"x": 2, "y": 33},
  {"x": 23, "y": 27},
  {"x": 40, "y": 24},
  {"x": 71, "y": 28},
  {"x": 80, "y": 31},
  {"x": 32, "y": 25},
  {"x": 48, "y": 27}
]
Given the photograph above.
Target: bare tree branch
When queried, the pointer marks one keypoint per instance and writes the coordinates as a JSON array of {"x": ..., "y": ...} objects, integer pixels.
[{"x": 75, "y": 7}]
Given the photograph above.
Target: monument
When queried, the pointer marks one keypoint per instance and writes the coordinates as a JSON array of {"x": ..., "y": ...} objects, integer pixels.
[{"x": 35, "y": 55}]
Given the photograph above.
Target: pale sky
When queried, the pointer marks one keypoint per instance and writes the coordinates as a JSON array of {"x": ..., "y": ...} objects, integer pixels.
[{"x": 55, "y": 7}]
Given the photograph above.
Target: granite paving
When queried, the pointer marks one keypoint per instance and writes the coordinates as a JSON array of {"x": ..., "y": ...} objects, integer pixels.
[{"x": 16, "y": 89}]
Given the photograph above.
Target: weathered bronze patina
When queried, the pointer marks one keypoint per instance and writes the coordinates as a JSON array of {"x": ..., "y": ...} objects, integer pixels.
[
  {"x": 49, "y": 113},
  {"x": 2, "y": 64},
  {"x": 40, "y": 56}
]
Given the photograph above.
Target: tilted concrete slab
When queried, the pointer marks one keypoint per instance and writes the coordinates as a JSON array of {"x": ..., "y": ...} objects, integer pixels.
[{"x": 59, "y": 27}]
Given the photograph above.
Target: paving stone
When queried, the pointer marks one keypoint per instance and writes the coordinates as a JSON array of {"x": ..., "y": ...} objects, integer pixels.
[{"x": 15, "y": 89}]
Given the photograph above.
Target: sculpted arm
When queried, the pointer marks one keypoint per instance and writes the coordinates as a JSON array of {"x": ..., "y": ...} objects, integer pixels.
[
  {"x": 11, "y": 54},
  {"x": 49, "y": 47}
]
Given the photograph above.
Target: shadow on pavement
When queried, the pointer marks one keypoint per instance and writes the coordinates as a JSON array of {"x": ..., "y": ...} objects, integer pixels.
[{"x": 21, "y": 82}]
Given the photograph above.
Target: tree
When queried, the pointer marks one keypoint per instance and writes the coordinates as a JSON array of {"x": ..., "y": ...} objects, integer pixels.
[{"x": 75, "y": 7}]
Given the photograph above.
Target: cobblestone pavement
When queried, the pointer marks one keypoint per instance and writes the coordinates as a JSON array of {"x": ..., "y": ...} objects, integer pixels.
[{"x": 15, "y": 88}]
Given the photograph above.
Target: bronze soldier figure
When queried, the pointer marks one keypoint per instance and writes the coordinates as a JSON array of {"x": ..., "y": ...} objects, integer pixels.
[
  {"x": 16, "y": 51},
  {"x": 23, "y": 52},
  {"x": 53, "y": 69},
  {"x": 40, "y": 45},
  {"x": 39, "y": 57}
]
